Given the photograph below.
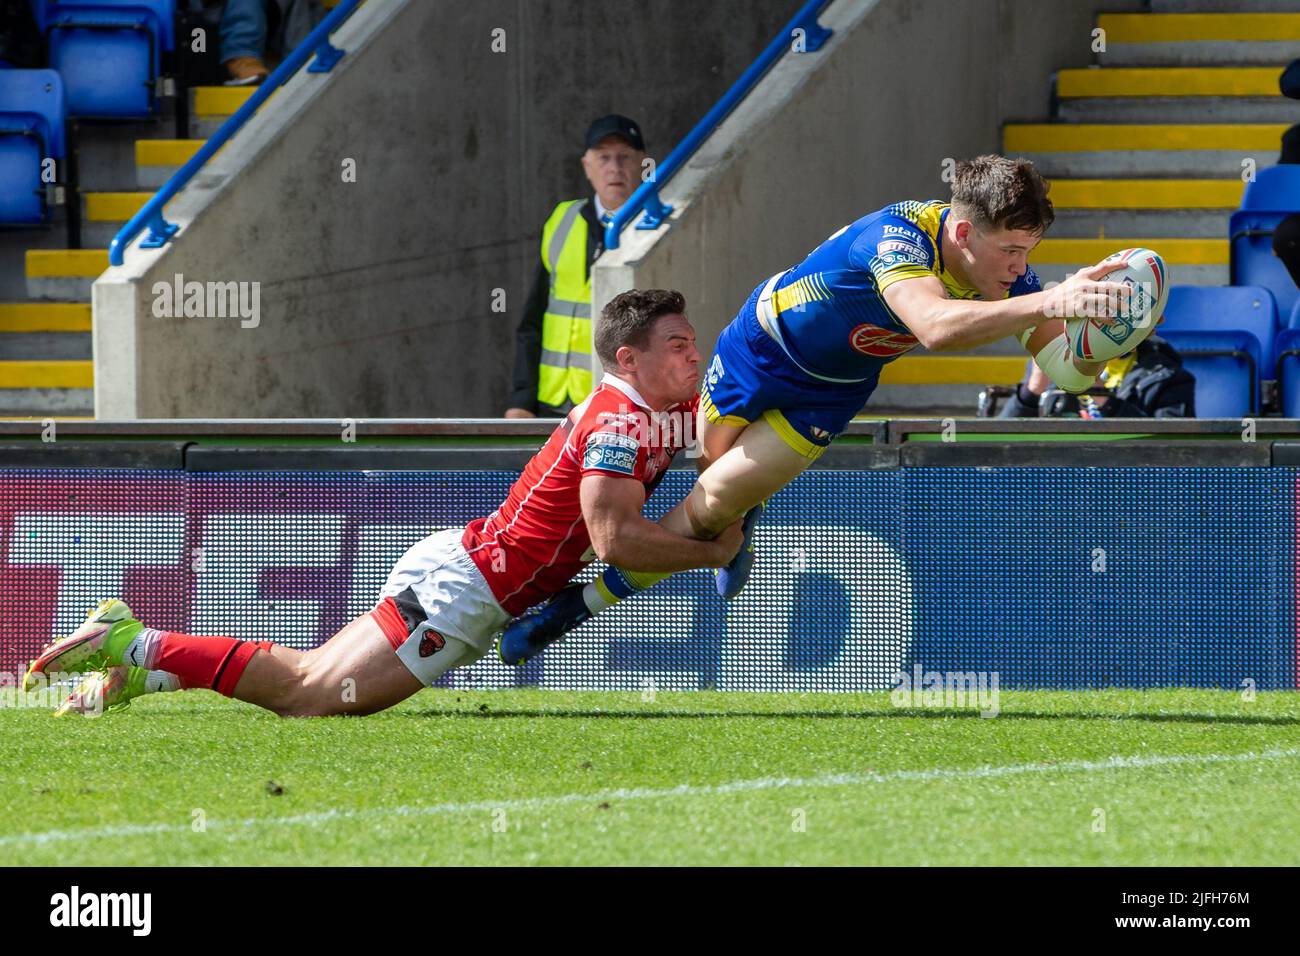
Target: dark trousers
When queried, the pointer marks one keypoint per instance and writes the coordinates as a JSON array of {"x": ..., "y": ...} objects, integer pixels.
[
  {"x": 1286, "y": 245},
  {"x": 1290, "y": 146}
]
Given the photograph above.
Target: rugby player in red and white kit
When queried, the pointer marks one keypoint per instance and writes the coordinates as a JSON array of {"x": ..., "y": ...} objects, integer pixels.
[{"x": 579, "y": 498}]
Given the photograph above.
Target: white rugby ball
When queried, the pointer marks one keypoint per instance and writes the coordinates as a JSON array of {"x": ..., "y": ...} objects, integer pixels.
[{"x": 1147, "y": 276}]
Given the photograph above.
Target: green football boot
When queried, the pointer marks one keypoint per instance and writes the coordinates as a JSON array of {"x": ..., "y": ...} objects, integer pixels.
[
  {"x": 95, "y": 646},
  {"x": 100, "y": 692}
]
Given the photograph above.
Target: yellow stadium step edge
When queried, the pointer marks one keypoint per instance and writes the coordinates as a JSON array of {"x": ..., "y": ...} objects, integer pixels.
[
  {"x": 1199, "y": 27},
  {"x": 220, "y": 100},
  {"x": 59, "y": 263},
  {"x": 1106, "y": 137},
  {"x": 954, "y": 370},
  {"x": 166, "y": 152},
  {"x": 45, "y": 317},
  {"x": 1147, "y": 193},
  {"x": 1169, "y": 81},
  {"x": 51, "y": 374},
  {"x": 114, "y": 207},
  {"x": 1177, "y": 252}
]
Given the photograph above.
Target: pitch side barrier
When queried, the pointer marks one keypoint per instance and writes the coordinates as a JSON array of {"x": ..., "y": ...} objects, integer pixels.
[{"x": 940, "y": 559}]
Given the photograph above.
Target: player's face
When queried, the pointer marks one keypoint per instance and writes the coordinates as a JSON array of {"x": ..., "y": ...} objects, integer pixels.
[
  {"x": 669, "y": 366},
  {"x": 613, "y": 168},
  {"x": 996, "y": 258}
]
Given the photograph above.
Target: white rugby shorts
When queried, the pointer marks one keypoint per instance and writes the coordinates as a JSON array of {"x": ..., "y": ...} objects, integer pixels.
[{"x": 450, "y": 615}]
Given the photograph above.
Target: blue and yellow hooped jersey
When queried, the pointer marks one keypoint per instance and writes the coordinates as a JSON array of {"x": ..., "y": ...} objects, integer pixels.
[{"x": 830, "y": 310}]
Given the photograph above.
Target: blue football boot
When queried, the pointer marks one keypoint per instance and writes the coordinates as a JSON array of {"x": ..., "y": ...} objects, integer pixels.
[
  {"x": 732, "y": 578},
  {"x": 528, "y": 635}
]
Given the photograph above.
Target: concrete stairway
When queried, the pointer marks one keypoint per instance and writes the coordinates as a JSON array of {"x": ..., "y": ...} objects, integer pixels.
[
  {"x": 1146, "y": 148},
  {"x": 45, "y": 315}
]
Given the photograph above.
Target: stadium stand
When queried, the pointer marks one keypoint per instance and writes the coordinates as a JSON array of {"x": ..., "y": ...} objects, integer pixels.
[
  {"x": 403, "y": 251},
  {"x": 1154, "y": 144},
  {"x": 1227, "y": 357},
  {"x": 109, "y": 52},
  {"x": 1147, "y": 148},
  {"x": 1149, "y": 145},
  {"x": 1274, "y": 195},
  {"x": 33, "y": 116},
  {"x": 105, "y": 59},
  {"x": 1288, "y": 365}
]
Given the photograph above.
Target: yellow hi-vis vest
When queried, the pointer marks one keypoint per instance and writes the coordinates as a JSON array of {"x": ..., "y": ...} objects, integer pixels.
[{"x": 565, "y": 373}]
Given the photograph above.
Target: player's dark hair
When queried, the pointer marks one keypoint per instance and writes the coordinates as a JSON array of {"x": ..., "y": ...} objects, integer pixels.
[
  {"x": 999, "y": 193},
  {"x": 629, "y": 317}
]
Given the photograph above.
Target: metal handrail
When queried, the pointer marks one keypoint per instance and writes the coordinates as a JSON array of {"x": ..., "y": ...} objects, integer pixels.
[
  {"x": 151, "y": 215},
  {"x": 647, "y": 195}
]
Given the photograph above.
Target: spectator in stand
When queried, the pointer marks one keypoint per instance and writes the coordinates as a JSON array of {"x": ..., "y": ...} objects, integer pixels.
[
  {"x": 1286, "y": 237},
  {"x": 553, "y": 340},
  {"x": 1290, "y": 145},
  {"x": 1289, "y": 81},
  {"x": 250, "y": 27},
  {"x": 1286, "y": 245},
  {"x": 1149, "y": 382},
  {"x": 20, "y": 41}
]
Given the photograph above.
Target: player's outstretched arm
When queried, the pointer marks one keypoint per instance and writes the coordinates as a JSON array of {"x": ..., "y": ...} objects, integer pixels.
[
  {"x": 953, "y": 325},
  {"x": 622, "y": 536}
]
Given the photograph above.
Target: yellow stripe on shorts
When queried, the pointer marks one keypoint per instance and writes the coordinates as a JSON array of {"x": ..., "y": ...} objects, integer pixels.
[
  {"x": 804, "y": 446},
  {"x": 712, "y": 415}
]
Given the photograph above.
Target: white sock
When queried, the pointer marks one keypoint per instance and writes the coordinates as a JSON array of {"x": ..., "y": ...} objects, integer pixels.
[
  {"x": 595, "y": 601},
  {"x": 143, "y": 649},
  {"x": 161, "y": 682}
]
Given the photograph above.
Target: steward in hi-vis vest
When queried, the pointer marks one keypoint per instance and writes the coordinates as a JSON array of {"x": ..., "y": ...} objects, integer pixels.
[
  {"x": 564, "y": 374},
  {"x": 553, "y": 342}
]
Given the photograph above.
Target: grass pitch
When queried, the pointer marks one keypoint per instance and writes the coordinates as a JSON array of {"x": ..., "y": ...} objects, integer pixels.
[{"x": 549, "y": 777}]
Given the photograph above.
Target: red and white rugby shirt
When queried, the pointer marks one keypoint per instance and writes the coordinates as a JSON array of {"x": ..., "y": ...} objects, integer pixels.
[{"x": 535, "y": 543}]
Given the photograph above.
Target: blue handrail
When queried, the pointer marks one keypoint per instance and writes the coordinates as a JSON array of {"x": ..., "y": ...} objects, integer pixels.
[
  {"x": 151, "y": 215},
  {"x": 647, "y": 195}
]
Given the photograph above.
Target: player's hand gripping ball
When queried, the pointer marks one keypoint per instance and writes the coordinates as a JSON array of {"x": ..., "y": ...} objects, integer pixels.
[{"x": 1147, "y": 277}]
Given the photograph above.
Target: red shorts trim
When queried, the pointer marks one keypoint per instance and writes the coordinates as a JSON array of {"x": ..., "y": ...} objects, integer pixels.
[{"x": 390, "y": 622}]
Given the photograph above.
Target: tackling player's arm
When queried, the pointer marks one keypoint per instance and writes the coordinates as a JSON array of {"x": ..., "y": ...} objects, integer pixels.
[{"x": 622, "y": 536}]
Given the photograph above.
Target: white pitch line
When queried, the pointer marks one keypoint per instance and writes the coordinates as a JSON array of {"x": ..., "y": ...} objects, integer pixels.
[{"x": 648, "y": 793}]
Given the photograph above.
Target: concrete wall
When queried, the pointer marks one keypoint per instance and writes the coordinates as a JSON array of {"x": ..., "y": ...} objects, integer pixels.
[
  {"x": 830, "y": 136},
  {"x": 376, "y": 296}
]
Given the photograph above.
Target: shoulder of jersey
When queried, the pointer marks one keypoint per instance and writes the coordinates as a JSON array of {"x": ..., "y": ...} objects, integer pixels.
[
  {"x": 609, "y": 406},
  {"x": 1029, "y": 282},
  {"x": 910, "y": 208}
]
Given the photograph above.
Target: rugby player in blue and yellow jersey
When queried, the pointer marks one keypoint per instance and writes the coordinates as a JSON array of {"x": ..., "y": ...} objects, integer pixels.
[{"x": 806, "y": 351}]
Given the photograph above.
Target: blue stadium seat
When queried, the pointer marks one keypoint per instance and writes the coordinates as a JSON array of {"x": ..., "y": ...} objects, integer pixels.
[
  {"x": 1251, "y": 309},
  {"x": 1274, "y": 189},
  {"x": 1288, "y": 365},
  {"x": 108, "y": 51},
  {"x": 1253, "y": 262},
  {"x": 1227, "y": 336},
  {"x": 1224, "y": 365},
  {"x": 32, "y": 128}
]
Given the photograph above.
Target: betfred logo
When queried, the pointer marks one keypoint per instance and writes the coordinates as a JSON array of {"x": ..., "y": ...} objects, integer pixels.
[{"x": 881, "y": 343}]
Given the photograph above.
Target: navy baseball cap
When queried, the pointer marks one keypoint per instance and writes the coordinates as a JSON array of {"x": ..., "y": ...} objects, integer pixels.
[
  {"x": 615, "y": 125},
  {"x": 1289, "y": 81}
]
